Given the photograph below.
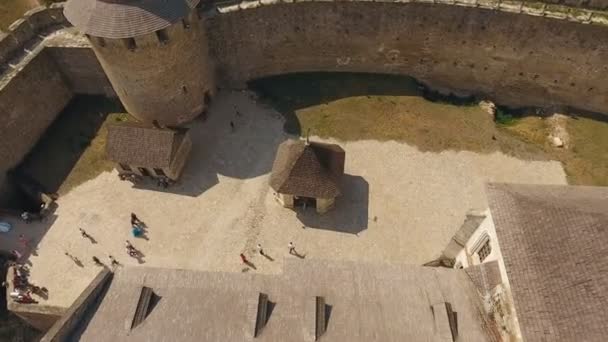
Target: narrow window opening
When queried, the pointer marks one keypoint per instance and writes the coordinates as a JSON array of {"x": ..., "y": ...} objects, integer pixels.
[
  {"x": 162, "y": 36},
  {"x": 185, "y": 89},
  {"x": 207, "y": 98},
  {"x": 130, "y": 43}
]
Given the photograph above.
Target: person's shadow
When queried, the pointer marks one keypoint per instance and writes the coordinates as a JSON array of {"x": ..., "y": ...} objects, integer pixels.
[
  {"x": 92, "y": 239},
  {"x": 295, "y": 253},
  {"x": 139, "y": 256}
]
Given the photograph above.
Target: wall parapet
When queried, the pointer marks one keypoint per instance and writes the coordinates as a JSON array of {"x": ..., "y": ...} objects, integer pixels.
[
  {"x": 537, "y": 9},
  {"x": 29, "y": 29}
]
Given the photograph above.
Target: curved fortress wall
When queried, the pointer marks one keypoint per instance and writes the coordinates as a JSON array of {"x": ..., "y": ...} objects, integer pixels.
[
  {"x": 162, "y": 76},
  {"x": 514, "y": 59}
]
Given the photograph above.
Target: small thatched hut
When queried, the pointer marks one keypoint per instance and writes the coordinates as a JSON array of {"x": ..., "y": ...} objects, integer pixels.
[{"x": 307, "y": 174}]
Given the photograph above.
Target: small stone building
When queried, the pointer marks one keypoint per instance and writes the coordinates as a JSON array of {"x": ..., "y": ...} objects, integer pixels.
[
  {"x": 148, "y": 151},
  {"x": 307, "y": 174}
]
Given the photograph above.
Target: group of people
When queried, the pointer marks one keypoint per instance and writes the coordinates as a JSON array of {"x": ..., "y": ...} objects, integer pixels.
[
  {"x": 22, "y": 288},
  {"x": 137, "y": 229},
  {"x": 290, "y": 246}
]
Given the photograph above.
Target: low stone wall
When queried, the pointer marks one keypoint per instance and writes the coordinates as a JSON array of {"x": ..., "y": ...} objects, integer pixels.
[
  {"x": 518, "y": 54},
  {"x": 41, "y": 317},
  {"x": 26, "y": 30},
  {"x": 65, "y": 326}
]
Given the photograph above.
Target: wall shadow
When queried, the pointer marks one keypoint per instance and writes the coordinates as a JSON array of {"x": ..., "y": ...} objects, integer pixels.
[
  {"x": 350, "y": 214},
  {"x": 65, "y": 140},
  {"x": 246, "y": 152},
  {"x": 290, "y": 92}
]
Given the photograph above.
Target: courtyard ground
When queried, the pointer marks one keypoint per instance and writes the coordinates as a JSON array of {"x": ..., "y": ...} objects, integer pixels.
[{"x": 400, "y": 204}]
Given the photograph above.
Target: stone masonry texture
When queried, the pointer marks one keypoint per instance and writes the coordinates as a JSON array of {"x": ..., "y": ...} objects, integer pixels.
[
  {"x": 160, "y": 81},
  {"x": 28, "y": 105},
  {"x": 515, "y": 59}
]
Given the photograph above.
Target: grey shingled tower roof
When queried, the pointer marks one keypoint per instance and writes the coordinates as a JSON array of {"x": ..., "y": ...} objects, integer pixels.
[
  {"x": 140, "y": 145},
  {"x": 125, "y": 18},
  {"x": 554, "y": 241},
  {"x": 302, "y": 169}
]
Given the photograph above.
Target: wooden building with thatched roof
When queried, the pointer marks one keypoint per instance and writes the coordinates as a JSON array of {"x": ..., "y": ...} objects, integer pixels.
[
  {"x": 147, "y": 150},
  {"x": 308, "y": 174}
]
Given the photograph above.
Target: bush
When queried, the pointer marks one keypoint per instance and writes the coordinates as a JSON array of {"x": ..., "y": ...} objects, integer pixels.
[{"x": 504, "y": 118}]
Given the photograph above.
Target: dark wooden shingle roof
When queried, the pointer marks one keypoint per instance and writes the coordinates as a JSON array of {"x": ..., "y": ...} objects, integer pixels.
[
  {"x": 125, "y": 18},
  {"x": 554, "y": 241},
  {"x": 140, "y": 145},
  {"x": 308, "y": 170}
]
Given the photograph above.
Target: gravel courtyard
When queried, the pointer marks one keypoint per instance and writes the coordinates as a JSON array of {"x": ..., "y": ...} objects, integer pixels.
[{"x": 398, "y": 205}]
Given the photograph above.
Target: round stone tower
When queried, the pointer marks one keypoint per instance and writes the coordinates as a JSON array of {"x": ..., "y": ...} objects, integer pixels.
[{"x": 154, "y": 53}]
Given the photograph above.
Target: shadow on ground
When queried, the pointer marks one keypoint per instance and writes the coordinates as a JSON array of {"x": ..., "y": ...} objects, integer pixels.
[
  {"x": 245, "y": 152},
  {"x": 350, "y": 214},
  {"x": 290, "y": 92},
  {"x": 353, "y": 106}
]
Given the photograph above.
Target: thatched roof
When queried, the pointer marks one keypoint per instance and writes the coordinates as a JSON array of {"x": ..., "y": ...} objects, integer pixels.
[
  {"x": 554, "y": 241},
  {"x": 125, "y": 18},
  {"x": 308, "y": 170},
  {"x": 141, "y": 145}
]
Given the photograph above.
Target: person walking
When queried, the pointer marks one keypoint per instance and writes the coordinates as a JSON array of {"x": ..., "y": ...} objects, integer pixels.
[
  {"x": 113, "y": 261},
  {"x": 261, "y": 250},
  {"x": 84, "y": 233},
  {"x": 244, "y": 259},
  {"x": 292, "y": 248},
  {"x": 23, "y": 241},
  {"x": 74, "y": 259},
  {"x": 97, "y": 261},
  {"x": 135, "y": 220},
  {"x": 16, "y": 254}
]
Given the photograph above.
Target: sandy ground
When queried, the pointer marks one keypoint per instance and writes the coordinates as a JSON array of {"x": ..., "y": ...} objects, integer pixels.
[{"x": 404, "y": 204}]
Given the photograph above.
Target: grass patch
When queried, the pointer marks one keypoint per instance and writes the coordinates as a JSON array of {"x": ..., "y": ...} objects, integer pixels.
[
  {"x": 379, "y": 107},
  {"x": 504, "y": 118},
  {"x": 72, "y": 150},
  {"x": 586, "y": 161},
  {"x": 11, "y": 10}
]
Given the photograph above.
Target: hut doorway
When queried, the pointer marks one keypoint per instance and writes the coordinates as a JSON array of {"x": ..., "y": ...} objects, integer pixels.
[{"x": 304, "y": 202}]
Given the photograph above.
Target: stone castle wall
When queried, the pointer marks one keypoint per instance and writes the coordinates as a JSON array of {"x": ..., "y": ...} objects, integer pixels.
[
  {"x": 26, "y": 111},
  {"x": 514, "y": 59},
  {"x": 81, "y": 70},
  {"x": 37, "y": 81}
]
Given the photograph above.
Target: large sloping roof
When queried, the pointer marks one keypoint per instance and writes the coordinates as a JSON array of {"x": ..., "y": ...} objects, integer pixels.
[
  {"x": 303, "y": 169},
  {"x": 125, "y": 18},
  {"x": 141, "y": 145},
  {"x": 554, "y": 241},
  {"x": 369, "y": 302}
]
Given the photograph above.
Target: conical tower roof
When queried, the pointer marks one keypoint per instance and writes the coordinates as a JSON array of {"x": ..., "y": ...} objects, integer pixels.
[{"x": 125, "y": 18}]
